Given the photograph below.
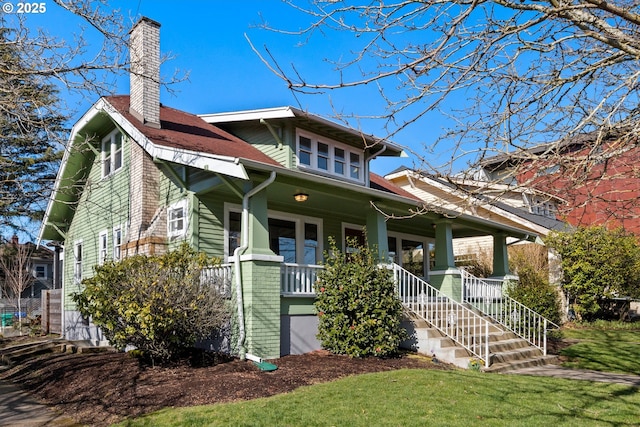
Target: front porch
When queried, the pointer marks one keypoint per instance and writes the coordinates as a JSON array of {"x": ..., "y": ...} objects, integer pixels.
[{"x": 481, "y": 322}]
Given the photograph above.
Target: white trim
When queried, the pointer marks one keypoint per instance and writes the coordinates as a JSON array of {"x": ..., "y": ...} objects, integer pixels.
[
  {"x": 103, "y": 250},
  {"x": 331, "y": 144},
  {"x": 291, "y": 112},
  {"x": 78, "y": 273},
  {"x": 261, "y": 257},
  {"x": 110, "y": 139},
  {"x": 178, "y": 232},
  {"x": 116, "y": 246},
  {"x": 249, "y": 115},
  {"x": 298, "y": 220},
  {"x": 426, "y": 242}
]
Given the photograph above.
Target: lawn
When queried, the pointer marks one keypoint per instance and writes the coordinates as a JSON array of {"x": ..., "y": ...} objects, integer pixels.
[
  {"x": 604, "y": 348},
  {"x": 423, "y": 397},
  {"x": 448, "y": 398}
]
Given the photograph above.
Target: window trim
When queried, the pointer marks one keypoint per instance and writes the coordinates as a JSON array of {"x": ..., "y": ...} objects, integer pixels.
[
  {"x": 45, "y": 270},
  {"x": 299, "y": 220},
  {"x": 77, "y": 264},
  {"x": 426, "y": 242},
  {"x": 184, "y": 205},
  {"x": 111, "y": 158},
  {"x": 331, "y": 159},
  {"x": 117, "y": 246},
  {"x": 103, "y": 246}
]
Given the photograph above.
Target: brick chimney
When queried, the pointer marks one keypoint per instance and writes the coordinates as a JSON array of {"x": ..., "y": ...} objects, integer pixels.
[{"x": 144, "y": 50}]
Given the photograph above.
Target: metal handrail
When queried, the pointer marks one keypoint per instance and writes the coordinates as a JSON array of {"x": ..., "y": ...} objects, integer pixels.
[
  {"x": 453, "y": 319},
  {"x": 516, "y": 317}
]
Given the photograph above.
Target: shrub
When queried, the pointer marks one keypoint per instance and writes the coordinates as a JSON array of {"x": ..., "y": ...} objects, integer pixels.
[
  {"x": 359, "y": 312},
  {"x": 598, "y": 264},
  {"x": 533, "y": 289},
  {"x": 155, "y": 303}
]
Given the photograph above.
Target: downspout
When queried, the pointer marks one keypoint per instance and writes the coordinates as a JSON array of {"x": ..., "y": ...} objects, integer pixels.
[{"x": 244, "y": 244}]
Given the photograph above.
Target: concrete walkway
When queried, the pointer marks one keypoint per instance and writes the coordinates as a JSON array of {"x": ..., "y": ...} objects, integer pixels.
[
  {"x": 579, "y": 374},
  {"x": 20, "y": 409}
]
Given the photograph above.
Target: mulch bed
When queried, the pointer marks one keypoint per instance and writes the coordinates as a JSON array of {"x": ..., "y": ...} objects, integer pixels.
[{"x": 103, "y": 388}]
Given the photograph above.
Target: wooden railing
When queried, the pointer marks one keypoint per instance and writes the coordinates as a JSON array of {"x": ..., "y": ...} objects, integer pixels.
[
  {"x": 298, "y": 279},
  {"x": 219, "y": 276}
]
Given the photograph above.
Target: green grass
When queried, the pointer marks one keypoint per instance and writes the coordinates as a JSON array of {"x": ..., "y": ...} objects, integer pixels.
[
  {"x": 605, "y": 349},
  {"x": 422, "y": 398}
]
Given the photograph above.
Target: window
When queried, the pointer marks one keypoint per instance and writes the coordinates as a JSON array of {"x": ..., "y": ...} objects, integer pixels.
[
  {"x": 296, "y": 239},
  {"x": 339, "y": 161},
  {"x": 410, "y": 254},
  {"x": 177, "y": 219},
  {"x": 111, "y": 153},
  {"x": 330, "y": 157},
  {"x": 305, "y": 153},
  {"x": 282, "y": 238},
  {"x": 117, "y": 242},
  {"x": 77, "y": 262},
  {"x": 353, "y": 235},
  {"x": 354, "y": 160},
  {"x": 311, "y": 249},
  {"x": 40, "y": 271},
  {"x": 235, "y": 219},
  {"x": 323, "y": 156},
  {"x": 102, "y": 247}
]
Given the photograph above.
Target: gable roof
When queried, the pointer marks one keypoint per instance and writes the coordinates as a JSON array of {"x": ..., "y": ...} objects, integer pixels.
[
  {"x": 184, "y": 131},
  {"x": 182, "y": 138},
  {"x": 537, "y": 223}
]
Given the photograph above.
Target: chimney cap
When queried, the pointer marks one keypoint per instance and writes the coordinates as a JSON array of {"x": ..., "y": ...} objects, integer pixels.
[{"x": 147, "y": 20}]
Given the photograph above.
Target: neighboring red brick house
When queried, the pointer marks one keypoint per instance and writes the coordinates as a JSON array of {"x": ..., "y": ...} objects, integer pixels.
[{"x": 598, "y": 179}]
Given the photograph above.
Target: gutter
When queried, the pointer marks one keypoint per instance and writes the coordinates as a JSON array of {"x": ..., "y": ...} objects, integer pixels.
[{"x": 244, "y": 244}]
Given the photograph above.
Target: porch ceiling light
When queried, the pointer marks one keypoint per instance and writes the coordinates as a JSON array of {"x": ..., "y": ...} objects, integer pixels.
[{"x": 300, "y": 197}]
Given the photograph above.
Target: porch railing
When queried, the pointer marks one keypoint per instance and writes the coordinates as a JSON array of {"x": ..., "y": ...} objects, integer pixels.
[
  {"x": 461, "y": 324},
  {"x": 219, "y": 276},
  {"x": 298, "y": 279},
  {"x": 482, "y": 294}
]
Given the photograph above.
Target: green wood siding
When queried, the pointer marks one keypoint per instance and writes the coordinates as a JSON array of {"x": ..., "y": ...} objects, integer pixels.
[
  {"x": 260, "y": 137},
  {"x": 211, "y": 224},
  {"x": 104, "y": 204}
]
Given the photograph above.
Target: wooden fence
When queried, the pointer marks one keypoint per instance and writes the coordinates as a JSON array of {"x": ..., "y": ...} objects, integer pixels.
[{"x": 52, "y": 311}]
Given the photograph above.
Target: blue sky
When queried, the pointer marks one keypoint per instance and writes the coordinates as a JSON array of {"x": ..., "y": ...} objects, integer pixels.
[{"x": 208, "y": 39}]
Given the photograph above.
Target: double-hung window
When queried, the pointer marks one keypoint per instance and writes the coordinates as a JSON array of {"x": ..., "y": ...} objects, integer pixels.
[
  {"x": 77, "y": 262},
  {"x": 102, "y": 247},
  {"x": 329, "y": 157},
  {"x": 111, "y": 153},
  {"x": 117, "y": 242},
  {"x": 177, "y": 219}
]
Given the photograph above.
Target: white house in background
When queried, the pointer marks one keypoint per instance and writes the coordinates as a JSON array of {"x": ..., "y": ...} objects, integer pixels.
[{"x": 521, "y": 208}]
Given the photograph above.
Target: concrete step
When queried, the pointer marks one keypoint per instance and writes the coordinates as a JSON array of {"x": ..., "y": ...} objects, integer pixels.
[
  {"x": 508, "y": 344},
  {"x": 515, "y": 355},
  {"x": 16, "y": 354},
  {"x": 501, "y": 367}
]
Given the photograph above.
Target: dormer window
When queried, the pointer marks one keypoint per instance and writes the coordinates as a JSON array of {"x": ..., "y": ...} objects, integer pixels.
[
  {"x": 329, "y": 157},
  {"x": 111, "y": 153}
]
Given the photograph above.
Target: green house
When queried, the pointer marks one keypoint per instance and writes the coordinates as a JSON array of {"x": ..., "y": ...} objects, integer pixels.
[{"x": 263, "y": 190}]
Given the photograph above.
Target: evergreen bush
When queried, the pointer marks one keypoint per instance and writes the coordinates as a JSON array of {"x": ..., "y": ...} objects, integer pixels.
[
  {"x": 154, "y": 303},
  {"x": 358, "y": 309}
]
